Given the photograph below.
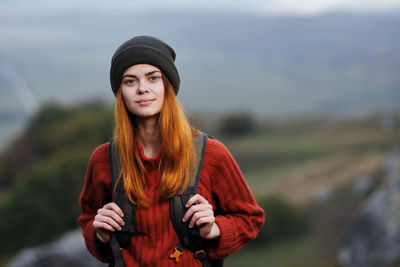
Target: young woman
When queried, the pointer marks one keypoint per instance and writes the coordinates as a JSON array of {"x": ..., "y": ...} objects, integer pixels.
[{"x": 156, "y": 151}]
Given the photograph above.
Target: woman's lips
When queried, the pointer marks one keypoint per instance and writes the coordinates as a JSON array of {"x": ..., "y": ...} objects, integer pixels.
[{"x": 145, "y": 102}]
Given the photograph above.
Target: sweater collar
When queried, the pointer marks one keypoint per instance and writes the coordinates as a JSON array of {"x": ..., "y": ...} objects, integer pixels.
[{"x": 146, "y": 160}]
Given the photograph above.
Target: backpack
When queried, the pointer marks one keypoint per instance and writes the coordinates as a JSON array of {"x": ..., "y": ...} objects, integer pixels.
[{"x": 188, "y": 238}]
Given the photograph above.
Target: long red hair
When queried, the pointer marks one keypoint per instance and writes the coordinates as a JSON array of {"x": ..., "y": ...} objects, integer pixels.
[{"x": 177, "y": 154}]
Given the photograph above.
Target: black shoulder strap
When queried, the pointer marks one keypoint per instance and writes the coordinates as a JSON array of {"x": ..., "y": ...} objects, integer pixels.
[
  {"x": 178, "y": 202},
  {"x": 120, "y": 239},
  {"x": 119, "y": 196},
  {"x": 189, "y": 237}
]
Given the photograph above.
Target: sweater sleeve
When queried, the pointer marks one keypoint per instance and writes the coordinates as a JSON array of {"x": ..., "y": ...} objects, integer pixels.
[
  {"x": 95, "y": 194},
  {"x": 237, "y": 214}
]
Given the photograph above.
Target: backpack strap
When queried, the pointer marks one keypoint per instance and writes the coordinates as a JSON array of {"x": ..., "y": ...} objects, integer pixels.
[
  {"x": 189, "y": 237},
  {"x": 120, "y": 239}
]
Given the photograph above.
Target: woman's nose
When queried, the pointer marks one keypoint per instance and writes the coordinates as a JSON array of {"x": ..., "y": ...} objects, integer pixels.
[{"x": 142, "y": 87}]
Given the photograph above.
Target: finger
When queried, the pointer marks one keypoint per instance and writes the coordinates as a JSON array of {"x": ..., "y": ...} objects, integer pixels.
[
  {"x": 200, "y": 216},
  {"x": 108, "y": 220},
  {"x": 205, "y": 220},
  {"x": 198, "y": 199},
  {"x": 102, "y": 225},
  {"x": 195, "y": 208},
  {"x": 103, "y": 235},
  {"x": 113, "y": 215},
  {"x": 114, "y": 207}
]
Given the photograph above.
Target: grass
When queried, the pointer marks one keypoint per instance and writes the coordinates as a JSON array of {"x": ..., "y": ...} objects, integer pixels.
[
  {"x": 302, "y": 252},
  {"x": 307, "y": 178}
]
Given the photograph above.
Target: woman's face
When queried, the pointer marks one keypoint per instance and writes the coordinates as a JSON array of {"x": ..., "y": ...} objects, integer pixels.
[{"x": 143, "y": 90}]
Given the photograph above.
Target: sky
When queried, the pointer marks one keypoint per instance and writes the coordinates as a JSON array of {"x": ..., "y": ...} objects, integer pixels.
[{"x": 299, "y": 7}]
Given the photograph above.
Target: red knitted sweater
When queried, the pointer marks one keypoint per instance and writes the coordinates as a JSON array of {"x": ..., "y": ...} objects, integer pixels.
[{"x": 237, "y": 214}]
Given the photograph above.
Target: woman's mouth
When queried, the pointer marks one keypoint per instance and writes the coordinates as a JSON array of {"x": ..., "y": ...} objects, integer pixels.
[{"x": 145, "y": 102}]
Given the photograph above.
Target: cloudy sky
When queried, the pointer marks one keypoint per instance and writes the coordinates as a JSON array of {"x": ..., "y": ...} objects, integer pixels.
[{"x": 304, "y": 7}]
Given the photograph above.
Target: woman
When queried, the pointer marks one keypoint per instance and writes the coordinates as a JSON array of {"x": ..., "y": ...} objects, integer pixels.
[{"x": 156, "y": 151}]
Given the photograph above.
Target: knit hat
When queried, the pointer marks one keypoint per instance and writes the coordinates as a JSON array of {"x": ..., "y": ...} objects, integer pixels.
[{"x": 144, "y": 50}]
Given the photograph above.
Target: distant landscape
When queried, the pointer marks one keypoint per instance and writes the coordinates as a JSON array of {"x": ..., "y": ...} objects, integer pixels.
[{"x": 340, "y": 64}]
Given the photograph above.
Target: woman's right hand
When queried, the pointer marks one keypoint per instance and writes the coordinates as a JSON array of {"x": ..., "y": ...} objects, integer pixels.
[{"x": 108, "y": 219}]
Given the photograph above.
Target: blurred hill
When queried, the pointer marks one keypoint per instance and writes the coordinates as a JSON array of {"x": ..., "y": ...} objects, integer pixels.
[{"x": 334, "y": 63}]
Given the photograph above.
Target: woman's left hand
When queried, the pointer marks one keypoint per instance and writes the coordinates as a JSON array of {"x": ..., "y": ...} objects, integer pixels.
[{"x": 203, "y": 217}]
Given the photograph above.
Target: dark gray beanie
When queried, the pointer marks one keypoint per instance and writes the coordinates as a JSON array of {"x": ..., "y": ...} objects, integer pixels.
[{"x": 144, "y": 50}]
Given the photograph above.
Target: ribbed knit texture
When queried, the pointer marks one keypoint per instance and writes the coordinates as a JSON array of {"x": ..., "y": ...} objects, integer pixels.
[{"x": 221, "y": 183}]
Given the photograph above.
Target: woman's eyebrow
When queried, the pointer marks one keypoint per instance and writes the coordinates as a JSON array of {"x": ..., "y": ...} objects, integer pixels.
[
  {"x": 129, "y": 75},
  {"x": 134, "y": 76},
  {"x": 151, "y": 72}
]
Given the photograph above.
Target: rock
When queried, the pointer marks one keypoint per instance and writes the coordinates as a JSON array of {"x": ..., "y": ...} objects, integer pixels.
[
  {"x": 373, "y": 239},
  {"x": 322, "y": 194},
  {"x": 69, "y": 250},
  {"x": 362, "y": 185}
]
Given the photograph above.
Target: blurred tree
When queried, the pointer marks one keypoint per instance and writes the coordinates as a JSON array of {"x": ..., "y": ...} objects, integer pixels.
[
  {"x": 49, "y": 159},
  {"x": 237, "y": 124},
  {"x": 55, "y": 127}
]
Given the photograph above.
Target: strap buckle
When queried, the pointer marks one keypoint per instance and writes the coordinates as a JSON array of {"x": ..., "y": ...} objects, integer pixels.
[
  {"x": 200, "y": 254},
  {"x": 177, "y": 253}
]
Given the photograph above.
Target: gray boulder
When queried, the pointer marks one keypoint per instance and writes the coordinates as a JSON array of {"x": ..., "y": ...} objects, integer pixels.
[
  {"x": 373, "y": 239},
  {"x": 68, "y": 251}
]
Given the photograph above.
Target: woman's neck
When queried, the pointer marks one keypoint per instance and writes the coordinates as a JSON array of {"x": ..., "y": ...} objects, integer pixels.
[{"x": 149, "y": 135}]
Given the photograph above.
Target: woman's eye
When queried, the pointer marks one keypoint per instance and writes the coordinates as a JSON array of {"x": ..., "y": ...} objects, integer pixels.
[
  {"x": 154, "y": 78},
  {"x": 130, "y": 82}
]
